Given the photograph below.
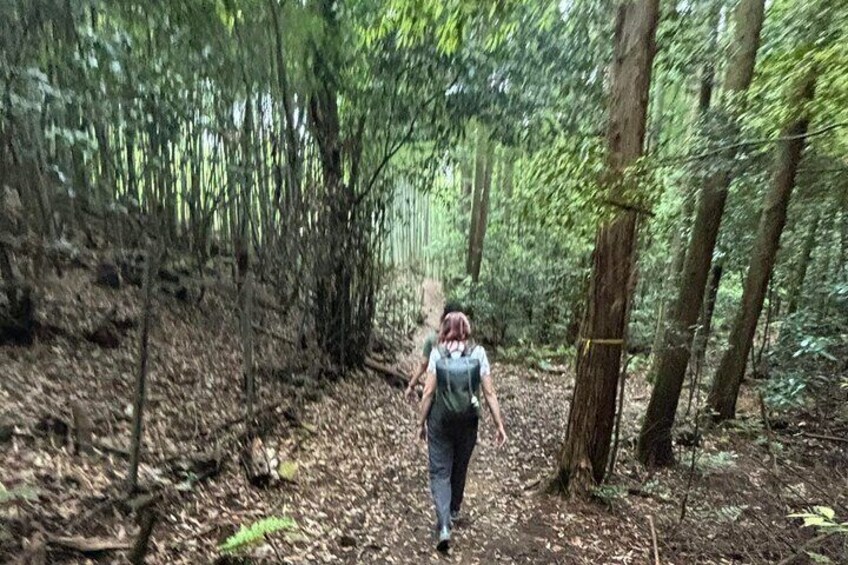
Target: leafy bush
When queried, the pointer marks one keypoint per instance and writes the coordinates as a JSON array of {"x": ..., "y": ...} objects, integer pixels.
[
  {"x": 256, "y": 532},
  {"x": 784, "y": 391},
  {"x": 539, "y": 356}
]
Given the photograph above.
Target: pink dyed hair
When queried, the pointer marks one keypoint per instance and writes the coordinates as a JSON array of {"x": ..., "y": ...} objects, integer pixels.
[{"x": 455, "y": 329}]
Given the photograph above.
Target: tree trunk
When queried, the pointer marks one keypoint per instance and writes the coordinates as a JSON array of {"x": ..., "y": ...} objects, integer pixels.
[
  {"x": 141, "y": 378},
  {"x": 480, "y": 208},
  {"x": 293, "y": 153},
  {"x": 476, "y": 196},
  {"x": 797, "y": 284},
  {"x": 655, "y": 438},
  {"x": 507, "y": 184},
  {"x": 583, "y": 457},
  {"x": 466, "y": 174},
  {"x": 247, "y": 350},
  {"x": 843, "y": 234},
  {"x": 728, "y": 378},
  {"x": 702, "y": 333}
]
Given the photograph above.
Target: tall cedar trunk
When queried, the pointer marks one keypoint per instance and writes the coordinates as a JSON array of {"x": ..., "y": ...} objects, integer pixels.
[
  {"x": 480, "y": 211},
  {"x": 140, "y": 397},
  {"x": 583, "y": 457},
  {"x": 728, "y": 378},
  {"x": 797, "y": 284},
  {"x": 654, "y": 446}
]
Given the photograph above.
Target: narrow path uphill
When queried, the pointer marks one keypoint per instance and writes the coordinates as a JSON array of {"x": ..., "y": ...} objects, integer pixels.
[{"x": 363, "y": 493}]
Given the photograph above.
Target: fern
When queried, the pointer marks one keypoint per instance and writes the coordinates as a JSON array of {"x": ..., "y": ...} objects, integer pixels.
[
  {"x": 256, "y": 532},
  {"x": 714, "y": 462},
  {"x": 609, "y": 494}
]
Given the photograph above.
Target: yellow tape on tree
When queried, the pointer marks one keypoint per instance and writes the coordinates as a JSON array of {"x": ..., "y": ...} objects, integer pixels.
[{"x": 589, "y": 342}]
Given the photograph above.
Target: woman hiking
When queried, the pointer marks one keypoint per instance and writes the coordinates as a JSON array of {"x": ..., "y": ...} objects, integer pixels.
[
  {"x": 411, "y": 394},
  {"x": 450, "y": 413}
]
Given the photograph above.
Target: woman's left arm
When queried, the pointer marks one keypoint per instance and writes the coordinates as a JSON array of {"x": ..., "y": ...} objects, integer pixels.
[
  {"x": 426, "y": 404},
  {"x": 495, "y": 409}
]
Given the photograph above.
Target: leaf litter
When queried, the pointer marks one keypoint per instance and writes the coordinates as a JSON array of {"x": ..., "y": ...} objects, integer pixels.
[{"x": 352, "y": 476}]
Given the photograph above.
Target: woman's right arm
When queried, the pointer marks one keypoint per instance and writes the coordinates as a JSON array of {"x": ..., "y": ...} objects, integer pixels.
[
  {"x": 426, "y": 404},
  {"x": 409, "y": 393}
]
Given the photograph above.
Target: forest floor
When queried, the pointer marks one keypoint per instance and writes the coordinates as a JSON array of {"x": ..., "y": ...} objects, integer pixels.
[{"x": 360, "y": 492}]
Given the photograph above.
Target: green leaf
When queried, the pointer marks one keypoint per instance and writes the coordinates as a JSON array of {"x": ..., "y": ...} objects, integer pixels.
[
  {"x": 287, "y": 470},
  {"x": 825, "y": 511},
  {"x": 813, "y": 521},
  {"x": 818, "y": 558}
]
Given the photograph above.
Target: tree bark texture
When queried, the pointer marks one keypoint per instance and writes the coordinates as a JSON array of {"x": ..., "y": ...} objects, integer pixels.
[
  {"x": 655, "y": 446},
  {"x": 584, "y": 454}
]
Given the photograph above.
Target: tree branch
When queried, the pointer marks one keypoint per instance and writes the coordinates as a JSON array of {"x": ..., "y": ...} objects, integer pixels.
[
  {"x": 397, "y": 147},
  {"x": 750, "y": 142}
]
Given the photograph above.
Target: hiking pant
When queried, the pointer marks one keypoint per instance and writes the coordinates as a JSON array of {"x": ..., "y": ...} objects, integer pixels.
[{"x": 450, "y": 445}]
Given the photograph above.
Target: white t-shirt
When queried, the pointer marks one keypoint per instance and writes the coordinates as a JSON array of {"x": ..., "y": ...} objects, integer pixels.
[{"x": 477, "y": 353}]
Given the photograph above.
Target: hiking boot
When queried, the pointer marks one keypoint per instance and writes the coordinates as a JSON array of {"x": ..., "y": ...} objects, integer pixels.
[{"x": 444, "y": 539}]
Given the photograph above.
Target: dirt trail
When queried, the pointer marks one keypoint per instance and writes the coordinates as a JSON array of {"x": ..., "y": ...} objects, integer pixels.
[{"x": 386, "y": 508}]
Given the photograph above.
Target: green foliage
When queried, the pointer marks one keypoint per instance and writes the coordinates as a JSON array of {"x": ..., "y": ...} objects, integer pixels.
[
  {"x": 256, "y": 533},
  {"x": 398, "y": 303},
  {"x": 730, "y": 513},
  {"x": 609, "y": 495},
  {"x": 823, "y": 519},
  {"x": 774, "y": 447},
  {"x": 712, "y": 463},
  {"x": 657, "y": 489},
  {"x": 784, "y": 390},
  {"x": 540, "y": 356}
]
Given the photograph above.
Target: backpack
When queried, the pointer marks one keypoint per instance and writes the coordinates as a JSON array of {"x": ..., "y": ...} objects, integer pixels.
[{"x": 457, "y": 386}]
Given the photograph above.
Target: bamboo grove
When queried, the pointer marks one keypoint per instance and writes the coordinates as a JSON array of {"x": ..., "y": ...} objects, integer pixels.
[{"x": 655, "y": 179}]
